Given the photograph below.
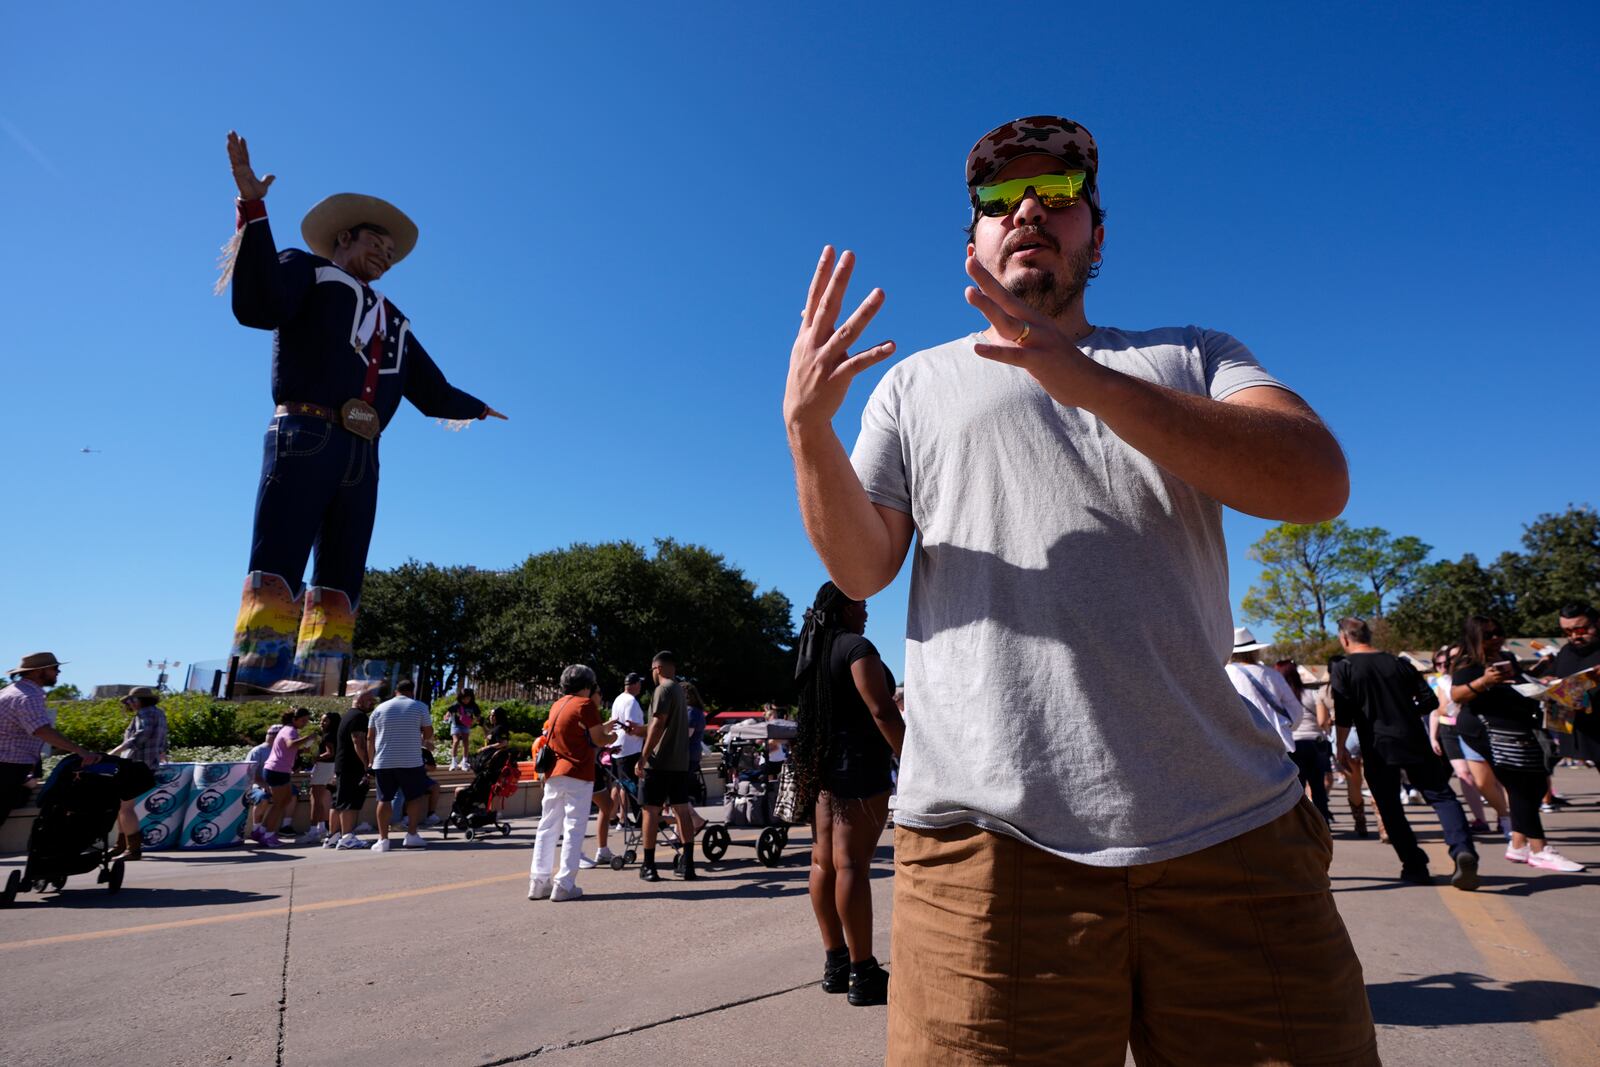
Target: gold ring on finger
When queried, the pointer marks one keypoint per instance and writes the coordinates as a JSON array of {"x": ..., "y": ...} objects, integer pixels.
[{"x": 1027, "y": 328}]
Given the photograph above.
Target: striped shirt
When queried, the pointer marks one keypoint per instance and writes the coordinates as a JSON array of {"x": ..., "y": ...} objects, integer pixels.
[
  {"x": 22, "y": 711},
  {"x": 398, "y": 724}
]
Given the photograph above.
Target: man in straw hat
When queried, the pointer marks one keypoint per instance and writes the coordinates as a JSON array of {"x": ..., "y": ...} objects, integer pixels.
[
  {"x": 1132, "y": 855},
  {"x": 343, "y": 358},
  {"x": 24, "y": 723}
]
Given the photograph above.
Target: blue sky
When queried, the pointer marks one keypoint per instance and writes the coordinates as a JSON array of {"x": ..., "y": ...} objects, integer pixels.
[{"x": 620, "y": 209}]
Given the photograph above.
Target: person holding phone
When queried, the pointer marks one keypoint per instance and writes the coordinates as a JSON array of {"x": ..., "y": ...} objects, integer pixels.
[{"x": 1499, "y": 722}]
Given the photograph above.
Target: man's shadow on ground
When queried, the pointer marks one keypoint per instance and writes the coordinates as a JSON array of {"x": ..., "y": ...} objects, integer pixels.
[{"x": 1437, "y": 1000}]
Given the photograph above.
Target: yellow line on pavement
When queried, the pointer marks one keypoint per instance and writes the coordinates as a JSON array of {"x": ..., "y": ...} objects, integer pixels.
[
  {"x": 1514, "y": 953},
  {"x": 259, "y": 913}
]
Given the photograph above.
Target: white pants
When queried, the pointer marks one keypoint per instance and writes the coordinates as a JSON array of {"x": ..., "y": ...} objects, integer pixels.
[{"x": 566, "y": 803}]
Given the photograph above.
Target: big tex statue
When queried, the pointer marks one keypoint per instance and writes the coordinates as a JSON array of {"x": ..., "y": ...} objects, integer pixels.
[{"x": 343, "y": 356}]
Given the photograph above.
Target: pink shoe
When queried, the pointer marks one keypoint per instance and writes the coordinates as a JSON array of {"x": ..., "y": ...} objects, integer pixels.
[
  {"x": 1517, "y": 855},
  {"x": 1551, "y": 860}
]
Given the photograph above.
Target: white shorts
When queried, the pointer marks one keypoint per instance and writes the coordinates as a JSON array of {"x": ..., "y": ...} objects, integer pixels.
[{"x": 322, "y": 774}]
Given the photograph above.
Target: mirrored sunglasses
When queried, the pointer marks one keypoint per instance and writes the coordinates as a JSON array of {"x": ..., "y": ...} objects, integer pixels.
[{"x": 1054, "y": 191}]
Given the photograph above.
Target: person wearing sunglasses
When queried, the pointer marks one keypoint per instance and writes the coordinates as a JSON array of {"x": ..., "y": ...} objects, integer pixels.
[
  {"x": 1580, "y": 624},
  {"x": 1065, "y": 481},
  {"x": 1499, "y": 722}
]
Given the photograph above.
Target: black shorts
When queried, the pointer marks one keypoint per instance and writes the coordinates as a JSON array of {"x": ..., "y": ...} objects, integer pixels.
[
  {"x": 276, "y": 778},
  {"x": 1450, "y": 741},
  {"x": 628, "y": 766},
  {"x": 602, "y": 777},
  {"x": 350, "y": 790},
  {"x": 410, "y": 782},
  {"x": 666, "y": 787},
  {"x": 855, "y": 769}
]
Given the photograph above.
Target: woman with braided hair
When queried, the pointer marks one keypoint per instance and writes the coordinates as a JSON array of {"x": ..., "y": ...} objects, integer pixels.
[{"x": 848, "y": 727}]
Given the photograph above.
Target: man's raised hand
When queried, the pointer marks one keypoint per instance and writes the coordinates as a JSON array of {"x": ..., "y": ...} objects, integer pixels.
[
  {"x": 820, "y": 364},
  {"x": 244, "y": 176}
]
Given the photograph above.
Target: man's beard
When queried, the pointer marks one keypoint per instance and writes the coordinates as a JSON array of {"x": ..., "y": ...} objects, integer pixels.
[{"x": 1050, "y": 294}]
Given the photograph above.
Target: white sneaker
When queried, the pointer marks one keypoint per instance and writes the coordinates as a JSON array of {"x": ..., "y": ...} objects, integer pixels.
[
  {"x": 413, "y": 841},
  {"x": 382, "y": 846},
  {"x": 349, "y": 841},
  {"x": 432, "y": 820},
  {"x": 1547, "y": 859},
  {"x": 585, "y": 863},
  {"x": 565, "y": 893},
  {"x": 538, "y": 890},
  {"x": 1519, "y": 855},
  {"x": 331, "y": 841},
  {"x": 604, "y": 856},
  {"x": 313, "y": 836}
]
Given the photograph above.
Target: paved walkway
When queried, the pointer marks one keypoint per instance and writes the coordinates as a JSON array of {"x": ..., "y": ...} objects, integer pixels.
[{"x": 318, "y": 957}]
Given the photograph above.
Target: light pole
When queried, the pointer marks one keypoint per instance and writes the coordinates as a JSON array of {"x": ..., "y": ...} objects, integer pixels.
[{"x": 161, "y": 678}]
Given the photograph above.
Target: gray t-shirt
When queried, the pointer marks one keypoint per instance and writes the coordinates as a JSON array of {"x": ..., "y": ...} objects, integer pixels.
[
  {"x": 672, "y": 707},
  {"x": 1069, "y": 615},
  {"x": 398, "y": 725}
]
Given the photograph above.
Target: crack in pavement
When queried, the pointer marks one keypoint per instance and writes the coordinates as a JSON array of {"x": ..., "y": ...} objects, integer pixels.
[
  {"x": 283, "y": 991},
  {"x": 641, "y": 1027}
]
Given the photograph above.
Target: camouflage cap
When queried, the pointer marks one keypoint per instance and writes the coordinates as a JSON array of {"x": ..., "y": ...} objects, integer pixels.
[{"x": 1048, "y": 135}]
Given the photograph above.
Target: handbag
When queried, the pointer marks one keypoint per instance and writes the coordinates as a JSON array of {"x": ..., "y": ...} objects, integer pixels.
[
  {"x": 789, "y": 808},
  {"x": 545, "y": 761}
]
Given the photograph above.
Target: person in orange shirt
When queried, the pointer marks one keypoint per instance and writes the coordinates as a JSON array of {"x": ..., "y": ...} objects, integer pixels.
[{"x": 575, "y": 732}]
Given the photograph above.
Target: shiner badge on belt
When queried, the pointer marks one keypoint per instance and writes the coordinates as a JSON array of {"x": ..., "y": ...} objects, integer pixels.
[{"x": 360, "y": 418}]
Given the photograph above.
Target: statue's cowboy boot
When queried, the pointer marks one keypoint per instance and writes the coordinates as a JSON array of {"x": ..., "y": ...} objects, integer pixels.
[
  {"x": 327, "y": 639},
  {"x": 264, "y": 635}
]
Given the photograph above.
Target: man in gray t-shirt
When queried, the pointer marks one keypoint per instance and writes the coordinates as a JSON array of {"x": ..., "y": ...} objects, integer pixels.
[
  {"x": 398, "y": 729},
  {"x": 1068, "y": 711}
]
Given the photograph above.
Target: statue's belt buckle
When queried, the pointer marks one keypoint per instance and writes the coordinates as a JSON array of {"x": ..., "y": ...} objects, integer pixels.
[{"x": 360, "y": 418}]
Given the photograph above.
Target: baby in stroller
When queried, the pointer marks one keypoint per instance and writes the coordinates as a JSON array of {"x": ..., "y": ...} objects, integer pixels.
[{"x": 494, "y": 777}]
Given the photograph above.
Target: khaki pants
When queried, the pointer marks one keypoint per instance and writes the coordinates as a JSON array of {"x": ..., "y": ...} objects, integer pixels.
[{"x": 1234, "y": 955}]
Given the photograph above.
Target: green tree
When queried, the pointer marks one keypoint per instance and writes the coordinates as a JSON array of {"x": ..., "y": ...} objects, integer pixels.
[
  {"x": 427, "y": 617},
  {"x": 1382, "y": 566},
  {"x": 1559, "y": 563},
  {"x": 611, "y": 606},
  {"x": 63, "y": 692},
  {"x": 1304, "y": 580},
  {"x": 1432, "y": 612}
]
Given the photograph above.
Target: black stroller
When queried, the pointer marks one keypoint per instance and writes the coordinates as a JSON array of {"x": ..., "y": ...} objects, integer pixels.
[
  {"x": 77, "y": 809},
  {"x": 470, "y": 812}
]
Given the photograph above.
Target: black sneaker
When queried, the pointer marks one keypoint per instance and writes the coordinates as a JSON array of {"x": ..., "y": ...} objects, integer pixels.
[
  {"x": 647, "y": 873},
  {"x": 1416, "y": 875},
  {"x": 687, "y": 873},
  {"x": 836, "y": 976},
  {"x": 1466, "y": 873},
  {"x": 869, "y": 986}
]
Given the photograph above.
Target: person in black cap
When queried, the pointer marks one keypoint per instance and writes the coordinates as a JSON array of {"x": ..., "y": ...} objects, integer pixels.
[
  {"x": 343, "y": 357},
  {"x": 628, "y": 714}
]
